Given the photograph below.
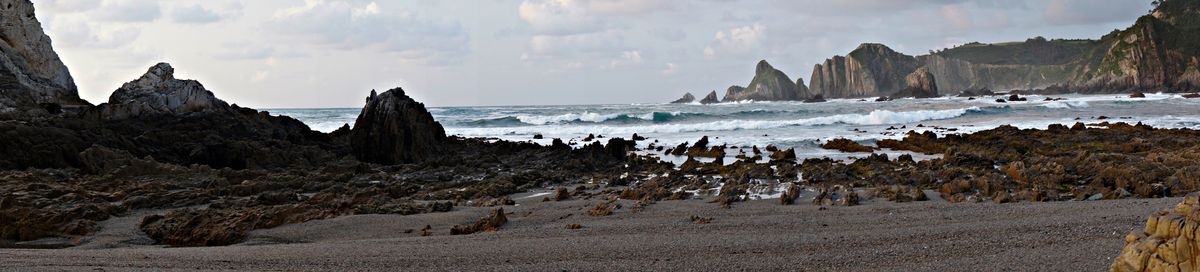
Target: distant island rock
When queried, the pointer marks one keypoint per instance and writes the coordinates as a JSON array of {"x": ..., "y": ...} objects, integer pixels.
[
  {"x": 687, "y": 98},
  {"x": 31, "y": 73},
  {"x": 711, "y": 98},
  {"x": 870, "y": 70}
]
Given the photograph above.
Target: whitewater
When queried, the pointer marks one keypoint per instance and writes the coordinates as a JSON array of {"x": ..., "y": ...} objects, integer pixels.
[{"x": 786, "y": 124}]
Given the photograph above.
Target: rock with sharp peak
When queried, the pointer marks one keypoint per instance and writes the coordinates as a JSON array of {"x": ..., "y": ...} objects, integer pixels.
[
  {"x": 395, "y": 129},
  {"x": 158, "y": 92},
  {"x": 711, "y": 98},
  {"x": 769, "y": 84},
  {"x": 870, "y": 70},
  {"x": 31, "y": 73}
]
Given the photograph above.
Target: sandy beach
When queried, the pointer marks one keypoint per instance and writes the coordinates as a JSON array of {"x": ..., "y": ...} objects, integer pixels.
[{"x": 755, "y": 235}]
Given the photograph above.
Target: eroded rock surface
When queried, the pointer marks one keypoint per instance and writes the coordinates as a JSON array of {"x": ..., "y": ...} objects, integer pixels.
[
  {"x": 1167, "y": 243},
  {"x": 30, "y": 71},
  {"x": 157, "y": 93},
  {"x": 394, "y": 128}
]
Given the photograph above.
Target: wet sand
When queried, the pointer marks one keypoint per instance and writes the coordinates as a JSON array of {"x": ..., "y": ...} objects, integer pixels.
[{"x": 754, "y": 235}]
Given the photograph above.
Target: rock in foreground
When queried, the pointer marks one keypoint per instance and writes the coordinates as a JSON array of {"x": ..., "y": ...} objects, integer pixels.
[
  {"x": 1168, "y": 242},
  {"x": 394, "y": 129}
]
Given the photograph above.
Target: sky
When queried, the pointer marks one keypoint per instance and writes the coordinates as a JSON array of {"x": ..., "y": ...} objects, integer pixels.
[{"x": 320, "y": 54}]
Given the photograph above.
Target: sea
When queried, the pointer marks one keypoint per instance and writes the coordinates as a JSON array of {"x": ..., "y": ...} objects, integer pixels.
[{"x": 803, "y": 126}]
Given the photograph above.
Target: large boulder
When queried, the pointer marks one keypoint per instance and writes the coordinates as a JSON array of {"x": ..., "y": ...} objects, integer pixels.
[
  {"x": 30, "y": 71},
  {"x": 158, "y": 92},
  {"x": 919, "y": 84},
  {"x": 1167, "y": 243},
  {"x": 393, "y": 129}
]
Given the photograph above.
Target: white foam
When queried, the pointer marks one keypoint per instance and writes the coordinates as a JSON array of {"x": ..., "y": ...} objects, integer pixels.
[
  {"x": 1066, "y": 104},
  {"x": 876, "y": 117}
]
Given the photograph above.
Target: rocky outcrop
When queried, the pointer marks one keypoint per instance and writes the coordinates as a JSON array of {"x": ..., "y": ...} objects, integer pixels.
[
  {"x": 1167, "y": 243},
  {"x": 868, "y": 71},
  {"x": 30, "y": 70},
  {"x": 919, "y": 84},
  {"x": 394, "y": 129},
  {"x": 158, "y": 92},
  {"x": 687, "y": 98},
  {"x": 769, "y": 84},
  {"x": 711, "y": 98}
]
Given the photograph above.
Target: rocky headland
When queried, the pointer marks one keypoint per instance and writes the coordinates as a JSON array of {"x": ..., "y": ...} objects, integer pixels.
[{"x": 1156, "y": 54}]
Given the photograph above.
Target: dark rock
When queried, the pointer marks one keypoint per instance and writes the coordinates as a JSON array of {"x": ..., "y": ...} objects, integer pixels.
[
  {"x": 1137, "y": 95},
  {"x": 815, "y": 99},
  {"x": 711, "y": 98},
  {"x": 687, "y": 98},
  {"x": 395, "y": 129},
  {"x": 769, "y": 84}
]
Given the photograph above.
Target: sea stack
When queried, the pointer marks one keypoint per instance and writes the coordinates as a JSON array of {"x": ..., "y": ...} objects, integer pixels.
[
  {"x": 395, "y": 129},
  {"x": 687, "y": 98},
  {"x": 769, "y": 84},
  {"x": 870, "y": 70},
  {"x": 30, "y": 71},
  {"x": 711, "y": 98},
  {"x": 158, "y": 92}
]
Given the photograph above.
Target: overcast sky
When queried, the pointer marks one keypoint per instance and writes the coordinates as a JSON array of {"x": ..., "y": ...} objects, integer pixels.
[{"x": 291, "y": 53}]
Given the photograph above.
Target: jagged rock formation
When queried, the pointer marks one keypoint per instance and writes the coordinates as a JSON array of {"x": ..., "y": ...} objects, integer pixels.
[
  {"x": 30, "y": 70},
  {"x": 158, "y": 93},
  {"x": 395, "y": 129},
  {"x": 1167, "y": 243},
  {"x": 711, "y": 98},
  {"x": 687, "y": 98},
  {"x": 769, "y": 84},
  {"x": 919, "y": 84}
]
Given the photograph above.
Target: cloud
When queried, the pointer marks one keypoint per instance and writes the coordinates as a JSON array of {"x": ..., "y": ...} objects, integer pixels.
[
  {"x": 129, "y": 11},
  {"x": 626, "y": 58},
  {"x": 67, "y": 6},
  {"x": 194, "y": 14},
  {"x": 558, "y": 17},
  {"x": 669, "y": 34},
  {"x": 736, "y": 40},
  {"x": 956, "y": 17},
  {"x": 78, "y": 33},
  {"x": 1073, "y": 12},
  {"x": 670, "y": 69},
  {"x": 351, "y": 26},
  {"x": 601, "y": 43}
]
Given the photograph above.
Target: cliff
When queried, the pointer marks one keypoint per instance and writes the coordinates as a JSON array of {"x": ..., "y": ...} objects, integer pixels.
[
  {"x": 769, "y": 84},
  {"x": 870, "y": 70},
  {"x": 30, "y": 70}
]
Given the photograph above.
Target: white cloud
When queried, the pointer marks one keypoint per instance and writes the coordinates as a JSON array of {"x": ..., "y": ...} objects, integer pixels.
[
  {"x": 626, "y": 58},
  {"x": 1070, "y": 12},
  {"x": 67, "y": 6},
  {"x": 601, "y": 43},
  {"x": 77, "y": 32},
  {"x": 736, "y": 40},
  {"x": 558, "y": 17},
  {"x": 349, "y": 26},
  {"x": 129, "y": 11},
  {"x": 194, "y": 14},
  {"x": 670, "y": 69},
  {"x": 956, "y": 17}
]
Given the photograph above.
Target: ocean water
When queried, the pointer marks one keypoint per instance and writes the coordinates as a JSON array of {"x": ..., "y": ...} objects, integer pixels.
[{"x": 785, "y": 124}]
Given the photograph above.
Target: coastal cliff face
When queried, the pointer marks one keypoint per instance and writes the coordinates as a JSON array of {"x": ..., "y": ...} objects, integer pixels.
[
  {"x": 394, "y": 129},
  {"x": 158, "y": 92},
  {"x": 1160, "y": 51},
  {"x": 769, "y": 84},
  {"x": 870, "y": 70},
  {"x": 919, "y": 84},
  {"x": 30, "y": 70}
]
